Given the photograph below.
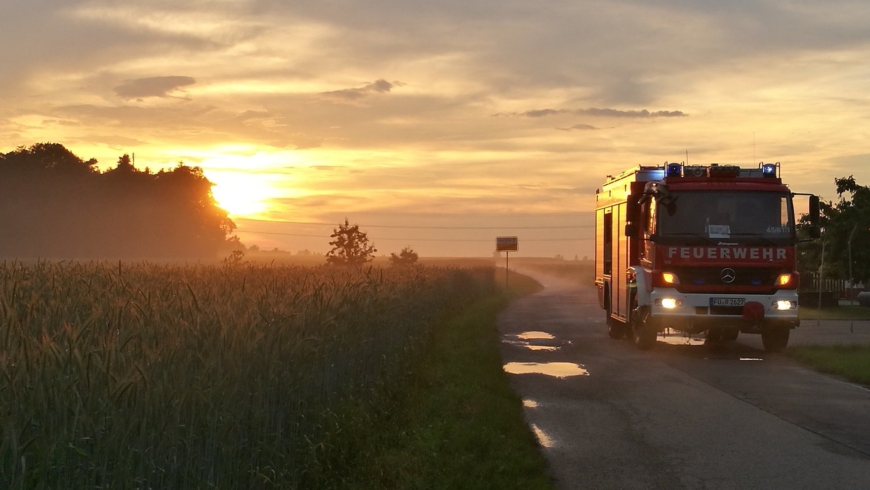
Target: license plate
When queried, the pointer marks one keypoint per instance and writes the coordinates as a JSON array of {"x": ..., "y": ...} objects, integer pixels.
[{"x": 727, "y": 301}]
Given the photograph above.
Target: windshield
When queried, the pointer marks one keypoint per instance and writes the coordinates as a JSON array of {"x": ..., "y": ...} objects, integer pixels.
[{"x": 726, "y": 215}]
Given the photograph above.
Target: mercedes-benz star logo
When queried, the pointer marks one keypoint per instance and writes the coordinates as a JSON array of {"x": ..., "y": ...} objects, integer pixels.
[{"x": 728, "y": 275}]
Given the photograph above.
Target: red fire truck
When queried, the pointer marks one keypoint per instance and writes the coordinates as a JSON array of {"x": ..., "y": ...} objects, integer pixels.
[{"x": 698, "y": 249}]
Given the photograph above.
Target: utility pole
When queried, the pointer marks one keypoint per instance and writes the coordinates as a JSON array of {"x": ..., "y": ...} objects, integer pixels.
[
  {"x": 507, "y": 259},
  {"x": 821, "y": 281},
  {"x": 851, "y": 278}
]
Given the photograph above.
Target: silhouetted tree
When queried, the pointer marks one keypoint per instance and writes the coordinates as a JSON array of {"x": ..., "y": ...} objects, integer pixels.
[
  {"x": 350, "y": 246},
  {"x": 54, "y": 204},
  {"x": 47, "y": 157},
  {"x": 405, "y": 258},
  {"x": 838, "y": 220}
]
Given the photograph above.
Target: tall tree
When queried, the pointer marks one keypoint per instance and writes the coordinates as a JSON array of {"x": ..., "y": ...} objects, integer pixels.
[
  {"x": 350, "y": 246},
  {"x": 840, "y": 221}
]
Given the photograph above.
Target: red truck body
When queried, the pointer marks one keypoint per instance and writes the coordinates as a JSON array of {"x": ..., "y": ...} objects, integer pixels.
[{"x": 697, "y": 249}]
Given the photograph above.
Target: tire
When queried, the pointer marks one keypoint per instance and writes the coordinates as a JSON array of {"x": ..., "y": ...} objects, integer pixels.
[
  {"x": 730, "y": 335},
  {"x": 775, "y": 339},
  {"x": 642, "y": 333}
]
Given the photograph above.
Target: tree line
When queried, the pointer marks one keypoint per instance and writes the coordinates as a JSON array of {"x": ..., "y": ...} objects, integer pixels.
[
  {"x": 845, "y": 228},
  {"x": 54, "y": 204}
]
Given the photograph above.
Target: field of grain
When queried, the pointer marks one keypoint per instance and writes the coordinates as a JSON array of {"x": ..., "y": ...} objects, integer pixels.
[{"x": 236, "y": 376}]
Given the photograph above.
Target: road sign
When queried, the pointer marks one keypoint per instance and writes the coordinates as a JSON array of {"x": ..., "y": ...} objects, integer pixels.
[{"x": 506, "y": 243}]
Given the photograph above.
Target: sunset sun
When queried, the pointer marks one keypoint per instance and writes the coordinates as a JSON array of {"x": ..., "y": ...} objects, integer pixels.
[{"x": 241, "y": 194}]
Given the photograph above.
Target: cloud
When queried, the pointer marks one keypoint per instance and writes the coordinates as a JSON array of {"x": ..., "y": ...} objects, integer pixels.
[
  {"x": 543, "y": 112},
  {"x": 112, "y": 141},
  {"x": 253, "y": 116},
  {"x": 584, "y": 127},
  {"x": 618, "y": 113},
  {"x": 152, "y": 86},
  {"x": 380, "y": 86},
  {"x": 595, "y": 112}
]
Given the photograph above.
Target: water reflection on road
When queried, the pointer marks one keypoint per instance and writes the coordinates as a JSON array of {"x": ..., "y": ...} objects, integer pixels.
[
  {"x": 534, "y": 340},
  {"x": 544, "y": 439},
  {"x": 554, "y": 369},
  {"x": 535, "y": 336}
]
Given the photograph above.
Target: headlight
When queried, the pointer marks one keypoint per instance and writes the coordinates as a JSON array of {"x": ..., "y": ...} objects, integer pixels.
[
  {"x": 669, "y": 303},
  {"x": 784, "y": 305}
]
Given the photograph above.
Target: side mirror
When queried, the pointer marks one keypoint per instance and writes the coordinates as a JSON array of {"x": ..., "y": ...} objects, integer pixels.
[
  {"x": 630, "y": 229},
  {"x": 814, "y": 210},
  {"x": 814, "y": 217}
]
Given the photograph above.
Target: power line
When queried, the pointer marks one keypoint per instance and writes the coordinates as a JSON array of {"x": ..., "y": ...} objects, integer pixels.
[
  {"x": 415, "y": 227},
  {"x": 421, "y": 239},
  {"x": 509, "y": 214}
]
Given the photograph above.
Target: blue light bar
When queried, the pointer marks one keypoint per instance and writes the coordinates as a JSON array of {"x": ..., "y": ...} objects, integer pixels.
[
  {"x": 675, "y": 170},
  {"x": 768, "y": 170}
]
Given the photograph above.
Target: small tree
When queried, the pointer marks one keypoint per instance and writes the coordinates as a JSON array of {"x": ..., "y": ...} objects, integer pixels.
[
  {"x": 405, "y": 258},
  {"x": 350, "y": 246}
]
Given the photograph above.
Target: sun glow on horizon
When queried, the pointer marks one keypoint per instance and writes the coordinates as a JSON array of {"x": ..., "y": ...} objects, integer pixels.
[{"x": 243, "y": 194}]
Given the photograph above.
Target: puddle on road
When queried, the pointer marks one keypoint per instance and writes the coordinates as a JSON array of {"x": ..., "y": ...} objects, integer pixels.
[
  {"x": 751, "y": 359},
  {"x": 554, "y": 369},
  {"x": 527, "y": 339},
  {"x": 530, "y": 403},
  {"x": 535, "y": 336},
  {"x": 545, "y": 440},
  {"x": 520, "y": 343}
]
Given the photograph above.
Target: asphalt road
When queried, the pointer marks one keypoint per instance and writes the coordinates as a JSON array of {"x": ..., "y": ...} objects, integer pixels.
[{"x": 679, "y": 416}]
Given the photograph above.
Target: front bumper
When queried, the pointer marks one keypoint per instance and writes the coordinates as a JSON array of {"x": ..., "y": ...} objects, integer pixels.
[{"x": 693, "y": 311}]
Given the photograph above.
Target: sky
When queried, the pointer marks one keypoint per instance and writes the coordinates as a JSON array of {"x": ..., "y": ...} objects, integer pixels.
[{"x": 439, "y": 125}]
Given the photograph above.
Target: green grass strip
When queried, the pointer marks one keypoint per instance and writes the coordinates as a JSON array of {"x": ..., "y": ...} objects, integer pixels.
[
  {"x": 850, "y": 361},
  {"x": 459, "y": 424},
  {"x": 843, "y": 312}
]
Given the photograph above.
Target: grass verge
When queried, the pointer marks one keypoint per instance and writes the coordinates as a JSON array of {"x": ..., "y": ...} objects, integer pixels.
[
  {"x": 849, "y": 361},
  {"x": 458, "y": 424},
  {"x": 844, "y": 312}
]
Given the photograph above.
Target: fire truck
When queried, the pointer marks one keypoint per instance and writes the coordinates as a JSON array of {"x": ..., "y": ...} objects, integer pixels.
[{"x": 700, "y": 249}]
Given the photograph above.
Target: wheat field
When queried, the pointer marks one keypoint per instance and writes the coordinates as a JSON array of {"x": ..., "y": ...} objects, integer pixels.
[{"x": 137, "y": 375}]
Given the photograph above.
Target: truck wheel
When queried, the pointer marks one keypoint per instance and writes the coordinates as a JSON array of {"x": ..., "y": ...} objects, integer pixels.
[
  {"x": 775, "y": 339},
  {"x": 642, "y": 333}
]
